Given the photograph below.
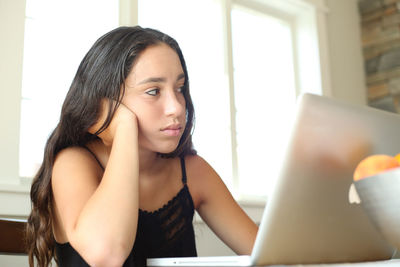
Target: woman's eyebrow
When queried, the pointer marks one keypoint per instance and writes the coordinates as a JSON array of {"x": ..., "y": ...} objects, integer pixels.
[
  {"x": 181, "y": 76},
  {"x": 160, "y": 79},
  {"x": 152, "y": 80}
]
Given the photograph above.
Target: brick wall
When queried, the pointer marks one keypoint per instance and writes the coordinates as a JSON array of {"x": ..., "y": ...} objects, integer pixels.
[{"x": 380, "y": 24}]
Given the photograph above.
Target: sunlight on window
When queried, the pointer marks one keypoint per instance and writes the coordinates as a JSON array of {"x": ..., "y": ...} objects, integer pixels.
[
  {"x": 265, "y": 96},
  {"x": 201, "y": 41},
  {"x": 264, "y": 85},
  {"x": 57, "y": 36},
  {"x": 59, "y": 33}
]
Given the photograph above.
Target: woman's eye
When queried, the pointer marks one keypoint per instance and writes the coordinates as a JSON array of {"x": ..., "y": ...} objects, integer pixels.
[
  {"x": 181, "y": 89},
  {"x": 153, "y": 92}
]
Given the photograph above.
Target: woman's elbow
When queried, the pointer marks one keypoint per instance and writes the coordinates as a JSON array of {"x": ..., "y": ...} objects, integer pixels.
[{"x": 107, "y": 255}]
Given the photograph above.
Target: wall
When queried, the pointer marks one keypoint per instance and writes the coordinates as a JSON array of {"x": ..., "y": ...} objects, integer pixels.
[
  {"x": 11, "y": 13},
  {"x": 381, "y": 49},
  {"x": 346, "y": 61}
]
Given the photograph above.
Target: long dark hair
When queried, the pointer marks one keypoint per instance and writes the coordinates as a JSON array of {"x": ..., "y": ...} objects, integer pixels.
[{"x": 101, "y": 75}]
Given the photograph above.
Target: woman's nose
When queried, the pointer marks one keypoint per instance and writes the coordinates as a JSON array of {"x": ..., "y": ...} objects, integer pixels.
[{"x": 174, "y": 104}]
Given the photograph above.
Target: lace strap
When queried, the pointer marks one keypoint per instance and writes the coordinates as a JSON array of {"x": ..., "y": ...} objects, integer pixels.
[{"x": 183, "y": 167}]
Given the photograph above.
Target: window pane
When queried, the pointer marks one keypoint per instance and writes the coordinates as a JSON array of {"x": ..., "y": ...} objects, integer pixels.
[
  {"x": 197, "y": 26},
  {"x": 57, "y": 36},
  {"x": 264, "y": 96}
]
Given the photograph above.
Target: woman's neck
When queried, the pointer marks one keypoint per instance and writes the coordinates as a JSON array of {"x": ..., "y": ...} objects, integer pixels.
[{"x": 150, "y": 163}]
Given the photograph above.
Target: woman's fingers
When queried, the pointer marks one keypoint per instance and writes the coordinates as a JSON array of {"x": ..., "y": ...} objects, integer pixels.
[{"x": 122, "y": 115}]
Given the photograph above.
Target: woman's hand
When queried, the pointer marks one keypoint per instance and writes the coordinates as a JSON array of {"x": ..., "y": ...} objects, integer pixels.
[{"x": 123, "y": 117}]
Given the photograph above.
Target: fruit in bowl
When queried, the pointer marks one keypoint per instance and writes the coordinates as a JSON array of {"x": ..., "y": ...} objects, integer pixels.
[
  {"x": 377, "y": 182},
  {"x": 375, "y": 164}
]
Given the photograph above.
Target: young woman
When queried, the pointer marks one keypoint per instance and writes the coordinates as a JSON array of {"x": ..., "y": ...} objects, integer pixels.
[{"x": 120, "y": 179}]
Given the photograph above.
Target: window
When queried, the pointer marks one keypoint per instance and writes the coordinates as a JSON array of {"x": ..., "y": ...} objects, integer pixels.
[
  {"x": 57, "y": 36},
  {"x": 201, "y": 41},
  {"x": 244, "y": 76},
  {"x": 245, "y": 70},
  {"x": 265, "y": 93}
]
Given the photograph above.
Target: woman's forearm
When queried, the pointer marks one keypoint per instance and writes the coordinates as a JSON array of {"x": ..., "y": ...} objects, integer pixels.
[{"x": 106, "y": 227}]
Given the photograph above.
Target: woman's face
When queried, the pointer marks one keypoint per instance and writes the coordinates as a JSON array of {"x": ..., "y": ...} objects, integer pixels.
[{"x": 153, "y": 93}]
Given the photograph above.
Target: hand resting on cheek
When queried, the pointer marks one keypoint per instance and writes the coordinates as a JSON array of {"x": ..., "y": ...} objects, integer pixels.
[{"x": 123, "y": 118}]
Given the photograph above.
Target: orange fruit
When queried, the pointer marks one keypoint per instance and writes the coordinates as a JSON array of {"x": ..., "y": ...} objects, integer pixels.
[
  {"x": 397, "y": 157},
  {"x": 375, "y": 164}
]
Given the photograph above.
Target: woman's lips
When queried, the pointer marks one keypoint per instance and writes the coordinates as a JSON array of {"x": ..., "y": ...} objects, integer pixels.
[{"x": 173, "y": 130}]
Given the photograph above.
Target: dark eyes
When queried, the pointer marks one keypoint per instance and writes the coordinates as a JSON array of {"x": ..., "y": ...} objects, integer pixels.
[
  {"x": 156, "y": 91},
  {"x": 153, "y": 92}
]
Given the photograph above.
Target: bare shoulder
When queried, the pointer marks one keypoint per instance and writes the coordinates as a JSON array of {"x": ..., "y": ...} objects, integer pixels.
[
  {"x": 75, "y": 171},
  {"x": 197, "y": 164},
  {"x": 71, "y": 153},
  {"x": 199, "y": 170},
  {"x": 202, "y": 179},
  {"x": 73, "y": 159}
]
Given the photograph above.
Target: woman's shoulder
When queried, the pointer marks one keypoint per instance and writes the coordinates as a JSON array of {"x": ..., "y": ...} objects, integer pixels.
[
  {"x": 201, "y": 177},
  {"x": 72, "y": 154},
  {"x": 197, "y": 166},
  {"x": 75, "y": 159}
]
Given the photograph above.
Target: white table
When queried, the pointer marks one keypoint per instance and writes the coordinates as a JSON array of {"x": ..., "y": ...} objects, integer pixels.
[{"x": 392, "y": 263}]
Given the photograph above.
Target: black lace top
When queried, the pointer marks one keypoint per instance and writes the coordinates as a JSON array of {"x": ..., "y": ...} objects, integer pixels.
[{"x": 167, "y": 232}]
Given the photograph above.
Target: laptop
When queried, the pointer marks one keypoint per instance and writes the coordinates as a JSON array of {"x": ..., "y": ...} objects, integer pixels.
[{"x": 309, "y": 218}]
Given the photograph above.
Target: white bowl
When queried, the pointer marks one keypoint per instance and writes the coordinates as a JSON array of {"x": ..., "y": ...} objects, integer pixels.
[{"x": 380, "y": 198}]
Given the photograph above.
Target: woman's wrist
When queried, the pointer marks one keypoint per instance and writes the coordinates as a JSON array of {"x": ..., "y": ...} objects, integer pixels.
[{"x": 126, "y": 132}]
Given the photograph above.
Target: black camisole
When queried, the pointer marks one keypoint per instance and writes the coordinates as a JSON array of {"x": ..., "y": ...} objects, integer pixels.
[{"x": 166, "y": 232}]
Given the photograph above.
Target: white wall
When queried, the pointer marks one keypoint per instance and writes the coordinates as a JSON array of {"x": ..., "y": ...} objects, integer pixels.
[
  {"x": 345, "y": 54},
  {"x": 12, "y": 16},
  {"x": 346, "y": 76}
]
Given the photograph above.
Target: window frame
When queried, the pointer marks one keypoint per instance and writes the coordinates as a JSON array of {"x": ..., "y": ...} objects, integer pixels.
[{"x": 297, "y": 14}]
